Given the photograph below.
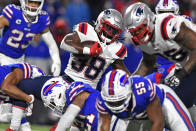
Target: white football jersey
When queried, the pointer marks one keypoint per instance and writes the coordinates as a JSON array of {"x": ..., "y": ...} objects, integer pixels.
[
  {"x": 89, "y": 69},
  {"x": 167, "y": 26}
]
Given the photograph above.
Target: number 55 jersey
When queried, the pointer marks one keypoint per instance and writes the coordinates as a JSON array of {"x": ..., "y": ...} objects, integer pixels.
[
  {"x": 89, "y": 69},
  {"x": 16, "y": 37},
  {"x": 167, "y": 27}
]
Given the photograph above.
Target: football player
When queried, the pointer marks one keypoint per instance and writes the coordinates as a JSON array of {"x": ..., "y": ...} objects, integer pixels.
[
  {"x": 93, "y": 49},
  {"x": 138, "y": 98},
  {"x": 57, "y": 93},
  {"x": 20, "y": 26},
  {"x": 10, "y": 76},
  {"x": 171, "y": 36}
]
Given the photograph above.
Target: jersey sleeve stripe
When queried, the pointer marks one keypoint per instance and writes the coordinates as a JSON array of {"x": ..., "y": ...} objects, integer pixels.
[
  {"x": 122, "y": 51},
  {"x": 111, "y": 85},
  {"x": 25, "y": 71},
  {"x": 9, "y": 10},
  {"x": 100, "y": 108},
  {"x": 153, "y": 90},
  {"x": 181, "y": 112},
  {"x": 8, "y": 15},
  {"x": 29, "y": 70},
  {"x": 164, "y": 27},
  {"x": 83, "y": 28}
]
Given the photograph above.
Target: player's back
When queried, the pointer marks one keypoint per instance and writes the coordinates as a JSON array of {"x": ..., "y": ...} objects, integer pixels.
[
  {"x": 16, "y": 37},
  {"x": 89, "y": 69},
  {"x": 88, "y": 114}
]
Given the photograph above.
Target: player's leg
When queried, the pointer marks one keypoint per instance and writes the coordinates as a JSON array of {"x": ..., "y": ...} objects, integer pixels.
[{"x": 176, "y": 114}]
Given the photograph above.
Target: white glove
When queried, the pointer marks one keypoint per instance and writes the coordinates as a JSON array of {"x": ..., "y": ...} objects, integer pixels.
[
  {"x": 29, "y": 110},
  {"x": 56, "y": 69}
]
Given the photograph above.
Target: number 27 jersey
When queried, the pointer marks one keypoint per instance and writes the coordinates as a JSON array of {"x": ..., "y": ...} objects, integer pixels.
[{"x": 16, "y": 37}]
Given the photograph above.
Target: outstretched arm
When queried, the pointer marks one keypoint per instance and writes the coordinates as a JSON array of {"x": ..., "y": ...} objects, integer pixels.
[
  {"x": 9, "y": 86},
  {"x": 157, "y": 118},
  {"x": 72, "y": 111},
  {"x": 146, "y": 65}
]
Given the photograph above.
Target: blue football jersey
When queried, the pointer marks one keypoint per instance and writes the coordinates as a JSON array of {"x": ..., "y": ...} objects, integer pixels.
[
  {"x": 88, "y": 116},
  {"x": 17, "y": 36},
  {"x": 144, "y": 92}
]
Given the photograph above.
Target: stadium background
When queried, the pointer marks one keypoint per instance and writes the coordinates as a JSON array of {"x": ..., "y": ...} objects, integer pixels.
[{"x": 64, "y": 15}]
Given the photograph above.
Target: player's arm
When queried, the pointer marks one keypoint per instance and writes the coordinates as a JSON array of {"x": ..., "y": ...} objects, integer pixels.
[
  {"x": 157, "y": 118},
  {"x": 119, "y": 64},
  {"x": 3, "y": 21},
  {"x": 146, "y": 65},
  {"x": 72, "y": 111},
  {"x": 187, "y": 38},
  {"x": 9, "y": 86},
  {"x": 104, "y": 122},
  {"x": 72, "y": 43},
  {"x": 54, "y": 51}
]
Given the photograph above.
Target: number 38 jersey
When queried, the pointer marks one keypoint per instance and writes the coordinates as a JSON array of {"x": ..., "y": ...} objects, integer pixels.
[
  {"x": 17, "y": 36},
  {"x": 89, "y": 69},
  {"x": 167, "y": 26}
]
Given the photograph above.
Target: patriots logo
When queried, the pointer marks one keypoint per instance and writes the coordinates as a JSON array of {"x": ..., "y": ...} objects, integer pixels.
[
  {"x": 140, "y": 11},
  {"x": 107, "y": 12}
]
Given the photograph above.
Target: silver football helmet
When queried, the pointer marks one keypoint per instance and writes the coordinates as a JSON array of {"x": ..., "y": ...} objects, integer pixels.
[
  {"x": 116, "y": 90},
  {"x": 53, "y": 94},
  {"x": 30, "y": 10},
  {"x": 109, "y": 25},
  {"x": 167, "y": 6},
  {"x": 139, "y": 21}
]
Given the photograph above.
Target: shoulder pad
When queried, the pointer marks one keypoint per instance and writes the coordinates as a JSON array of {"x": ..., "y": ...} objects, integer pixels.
[
  {"x": 86, "y": 32},
  {"x": 118, "y": 50},
  {"x": 9, "y": 11},
  {"x": 170, "y": 26}
]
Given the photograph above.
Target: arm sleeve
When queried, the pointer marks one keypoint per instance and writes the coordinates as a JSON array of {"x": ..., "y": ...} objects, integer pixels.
[
  {"x": 53, "y": 49},
  {"x": 8, "y": 12},
  {"x": 68, "y": 117}
]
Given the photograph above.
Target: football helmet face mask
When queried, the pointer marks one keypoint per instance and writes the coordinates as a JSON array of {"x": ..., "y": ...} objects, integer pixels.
[
  {"x": 116, "y": 90},
  {"x": 165, "y": 6},
  {"x": 31, "y": 10},
  {"x": 53, "y": 94},
  {"x": 109, "y": 25},
  {"x": 139, "y": 21}
]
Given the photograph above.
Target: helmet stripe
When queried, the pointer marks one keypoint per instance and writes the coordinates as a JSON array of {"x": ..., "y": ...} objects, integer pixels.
[
  {"x": 111, "y": 84},
  {"x": 165, "y": 3},
  {"x": 50, "y": 87},
  {"x": 164, "y": 27}
]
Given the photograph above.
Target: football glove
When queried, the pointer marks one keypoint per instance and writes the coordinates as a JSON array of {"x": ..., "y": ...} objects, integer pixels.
[
  {"x": 175, "y": 80},
  {"x": 29, "y": 110},
  {"x": 94, "y": 50},
  {"x": 56, "y": 69}
]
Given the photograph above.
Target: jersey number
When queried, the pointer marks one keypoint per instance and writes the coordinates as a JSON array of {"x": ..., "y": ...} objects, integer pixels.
[
  {"x": 90, "y": 119},
  {"x": 14, "y": 41},
  {"x": 140, "y": 89},
  {"x": 177, "y": 55},
  {"x": 96, "y": 65}
]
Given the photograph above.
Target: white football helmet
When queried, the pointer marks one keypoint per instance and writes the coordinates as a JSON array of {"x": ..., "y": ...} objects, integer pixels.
[
  {"x": 139, "y": 21},
  {"x": 53, "y": 94},
  {"x": 165, "y": 6},
  {"x": 29, "y": 10},
  {"x": 109, "y": 25},
  {"x": 116, "y": 90}
]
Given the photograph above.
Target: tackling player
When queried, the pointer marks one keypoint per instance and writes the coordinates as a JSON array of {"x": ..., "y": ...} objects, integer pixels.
[
  {"x": 88, "y": 61},
  {"x": 138, "y": 98},
  {"x": 20, "y": 25},
  {"x": 171, "y": 36},
  {"x": 57, "y": 93}
]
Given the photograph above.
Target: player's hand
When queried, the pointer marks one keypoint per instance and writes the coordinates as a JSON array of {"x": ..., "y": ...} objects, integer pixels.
[
  {"x": 94, "y": 50},
  {"x": 175, "y": 80},
  {"x": 29, "y": 109},
  {"x": 56, "y": 69}
]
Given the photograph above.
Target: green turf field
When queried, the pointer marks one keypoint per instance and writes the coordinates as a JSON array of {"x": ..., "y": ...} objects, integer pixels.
[{"x": 33, "y": 127}]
